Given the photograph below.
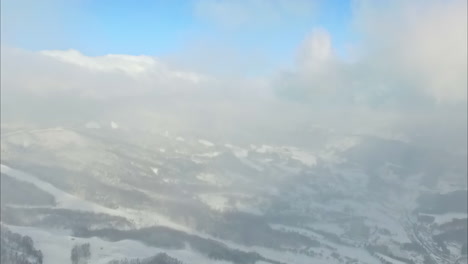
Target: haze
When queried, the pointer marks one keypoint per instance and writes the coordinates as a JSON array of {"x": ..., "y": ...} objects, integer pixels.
[{"x": 219, "y": 131}]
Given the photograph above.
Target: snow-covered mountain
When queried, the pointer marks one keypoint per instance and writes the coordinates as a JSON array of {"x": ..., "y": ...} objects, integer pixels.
[{"x": 152, "y": 196}]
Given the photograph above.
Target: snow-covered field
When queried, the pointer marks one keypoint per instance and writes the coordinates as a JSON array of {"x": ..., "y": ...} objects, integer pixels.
[
  {"x": 441, "y": 219},
  {"x": 57, "y": 244},
  {"x": 67, "y": 201}
]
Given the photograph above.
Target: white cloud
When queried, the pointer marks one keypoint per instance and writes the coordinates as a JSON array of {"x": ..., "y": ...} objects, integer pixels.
[
  {"x": 410, "y": 77},
  {"x": 134, "y": 66},
  {"x": 407, "y": 64},
  {"x": 100, "y": 77},
  {"x": 423, "y": 43},
  {"x": 318, "y": 74},
  {"x": 316, "y": 49},
  {"x": 139, "y": 91},
  {"x": 128, "y": 64},
  {"x": 410, "y": 52}
]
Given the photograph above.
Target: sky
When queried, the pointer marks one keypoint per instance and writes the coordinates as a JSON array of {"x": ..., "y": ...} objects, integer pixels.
[
  {"x": 388, "y": 67},
  {"x": 161, "y": 28}
]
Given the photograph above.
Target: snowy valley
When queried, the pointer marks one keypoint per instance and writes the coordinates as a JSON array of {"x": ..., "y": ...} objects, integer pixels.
[{"x": 153, "y": 197}]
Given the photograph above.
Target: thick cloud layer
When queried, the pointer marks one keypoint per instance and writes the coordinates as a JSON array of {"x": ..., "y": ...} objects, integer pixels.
[
  {"x": 408, "y": 76},
  {"x": 409, "y": 49}
]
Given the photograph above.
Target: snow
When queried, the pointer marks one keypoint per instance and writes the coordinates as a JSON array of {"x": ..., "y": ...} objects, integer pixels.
[
  {"x": 210, "y": 154},
  {"x": 92, "y": 125},
  {"x": 114, "y": 125},
  {"x": 68, "y": 201},
  {"x": 331, "y": 228},
  {"x": 155, "y": 170},
  {"x": 54, "y": 138},
  {"x": 238, "y": 152},
  {"x": 169, "y": 180},
  {"x": 305, "y": 232},
  {"x": 214, "y": 201},
  {"x": 358, "y": 253},
  {"x": 208, "y": 178},
  {"x": 181, "y": 139},
  {"x": 291, "y": 258},
  {"x": 343, "y": 144},
  {"x": 63, "y": 199},
  {"x": 353, "y": 252},
  {"x": 389, "y": 259},
  {"x": 265, "y": 149},
  {"x": 57, "y": 244},
  {"x": 26, "y": 143},
  {"x": 206, "y": 143},
  {"x": 241, "y": 153},
  {"x": 447, "y": 217},
  {"x": 162, "y": 150},
  {"x": 248, "y": 207},
  {"x": 304, "y": 157},
  {"x": 387, "y": 219},
  {"x": 251, "y": 164}
]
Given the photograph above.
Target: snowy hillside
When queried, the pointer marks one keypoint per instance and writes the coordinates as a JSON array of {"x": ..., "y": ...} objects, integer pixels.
[{"x": 201, "y": 201}]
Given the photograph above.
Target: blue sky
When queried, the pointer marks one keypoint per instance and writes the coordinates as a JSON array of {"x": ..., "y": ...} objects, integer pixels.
[
  {"x": 159, "y": 28},
  {"x": 409, "y": 55}
]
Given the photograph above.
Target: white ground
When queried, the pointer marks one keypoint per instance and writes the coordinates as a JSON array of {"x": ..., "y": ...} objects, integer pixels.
[
  {"x": 68, "y": 201},
  {"x": 206, "y": 143},
  {"x": 57, "y": 244}
]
